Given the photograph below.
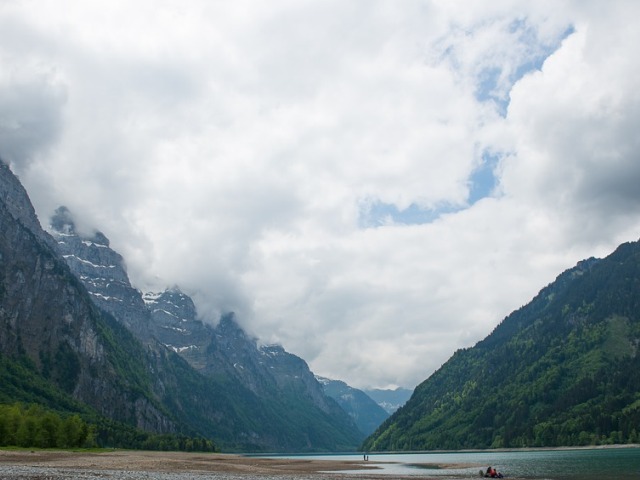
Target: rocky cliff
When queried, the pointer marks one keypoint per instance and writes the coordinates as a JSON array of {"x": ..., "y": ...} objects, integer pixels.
[
  {"x": 103, "y": 273},
  {"x": 274, "y": 377},
  {"x": 226, "y": 350},
  {"x": 259, "y": 397},
  {"x": 67, "y": 308},
  {"x": 47, "y": 316}
]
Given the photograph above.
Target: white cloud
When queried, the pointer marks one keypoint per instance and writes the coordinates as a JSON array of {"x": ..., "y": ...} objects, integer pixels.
[
  {"x": 232, "y": 148},
  {"x": 573, "y": 122}
]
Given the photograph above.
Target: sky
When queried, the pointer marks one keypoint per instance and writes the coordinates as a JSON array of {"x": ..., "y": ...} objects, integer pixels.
[{"x": 371, "y": 184}]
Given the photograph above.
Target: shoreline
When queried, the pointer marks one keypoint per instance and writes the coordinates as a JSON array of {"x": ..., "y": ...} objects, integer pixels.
[
  {"x": 51, "y": 464},
  {"x": 497, "y": 450},
  {"x": 134, "y": 464}
]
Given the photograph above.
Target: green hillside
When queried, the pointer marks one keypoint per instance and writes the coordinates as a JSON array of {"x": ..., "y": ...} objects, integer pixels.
[
  {"x": 34, "y": 412},
  {"x": 562, "y": 370}
]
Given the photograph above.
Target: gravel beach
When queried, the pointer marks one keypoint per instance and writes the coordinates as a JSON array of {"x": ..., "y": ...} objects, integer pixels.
[{"x": 126, "y": 465}]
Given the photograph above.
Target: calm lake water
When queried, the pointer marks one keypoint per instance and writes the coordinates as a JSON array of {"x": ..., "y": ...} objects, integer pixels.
[{"x": 570, "y": 464}]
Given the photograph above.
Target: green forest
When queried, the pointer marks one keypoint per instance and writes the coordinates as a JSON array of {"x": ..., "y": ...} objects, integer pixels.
[
  {"x": 563, "y": 370},
  {"x": 35, "y": 413},
  {"x": 33, "y": 425}
]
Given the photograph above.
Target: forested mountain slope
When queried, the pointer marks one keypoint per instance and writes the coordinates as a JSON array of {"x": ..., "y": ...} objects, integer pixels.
[{"x": 562, "y": 370}]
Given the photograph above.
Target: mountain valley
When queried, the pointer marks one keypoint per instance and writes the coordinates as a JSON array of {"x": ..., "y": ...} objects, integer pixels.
[{"x": 76, "y": 337}]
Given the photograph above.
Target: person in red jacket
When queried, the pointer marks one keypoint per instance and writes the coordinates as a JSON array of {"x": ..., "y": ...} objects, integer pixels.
[{"x": 492, "y": 473}]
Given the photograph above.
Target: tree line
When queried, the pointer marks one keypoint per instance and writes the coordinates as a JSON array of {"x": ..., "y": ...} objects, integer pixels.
[{"x": 33, "y": 425}]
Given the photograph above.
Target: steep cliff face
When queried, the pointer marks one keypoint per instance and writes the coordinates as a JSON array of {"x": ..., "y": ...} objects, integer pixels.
[
  {"x": 174, "y": 323},
  {"x": 169, "y": 318},
  {"x": 281, "y": 383},
  {"x": 244, "y": 396},
  {"x": 66, "y": 304},
  {"x": 15, "y": 199},
  {"x": 196, "y": 404},
  {"x": 103, "y": 273},
  {"x": 47, "y": 316},
  {"x": 227, "y": 351}
]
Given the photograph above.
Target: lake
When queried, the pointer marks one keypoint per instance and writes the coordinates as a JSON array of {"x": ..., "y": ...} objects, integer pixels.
[{"x": 562, "y": 464}]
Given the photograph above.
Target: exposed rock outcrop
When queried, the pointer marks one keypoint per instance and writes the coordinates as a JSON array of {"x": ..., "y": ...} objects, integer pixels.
[{"x": 47, "y": 316}]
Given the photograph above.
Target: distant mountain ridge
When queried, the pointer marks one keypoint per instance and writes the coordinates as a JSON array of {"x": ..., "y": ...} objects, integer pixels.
[
  {"x": 562, "y": 370},
  {"x": 390, "y": 400},
  {"x": 68, "y": 310},
  {"x": 367, "y": 414}
]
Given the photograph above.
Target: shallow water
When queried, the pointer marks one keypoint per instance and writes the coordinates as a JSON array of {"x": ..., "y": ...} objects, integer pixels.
[{"x": 570, "y": 464}]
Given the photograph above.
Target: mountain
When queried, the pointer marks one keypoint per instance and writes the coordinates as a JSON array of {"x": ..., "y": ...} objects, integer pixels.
[
  {"x": 293, "y": 408},
  {"x": 103, "y": 273},
  {"x": 367, "y": 414},
  {"x": 390, "y": 400},
  {"x": 260, "y": 397},
  {"x": 75, "y": 336},
  {"x": 562, "y": 370},
  {"x": 52, "y": 331}
]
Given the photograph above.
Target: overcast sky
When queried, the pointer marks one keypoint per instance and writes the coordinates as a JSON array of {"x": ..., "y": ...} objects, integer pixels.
[{"x": 371, "y": 184}]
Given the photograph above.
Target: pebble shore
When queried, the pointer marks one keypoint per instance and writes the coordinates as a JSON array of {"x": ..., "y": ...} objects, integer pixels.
[{"x": 16, "y": 472}]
